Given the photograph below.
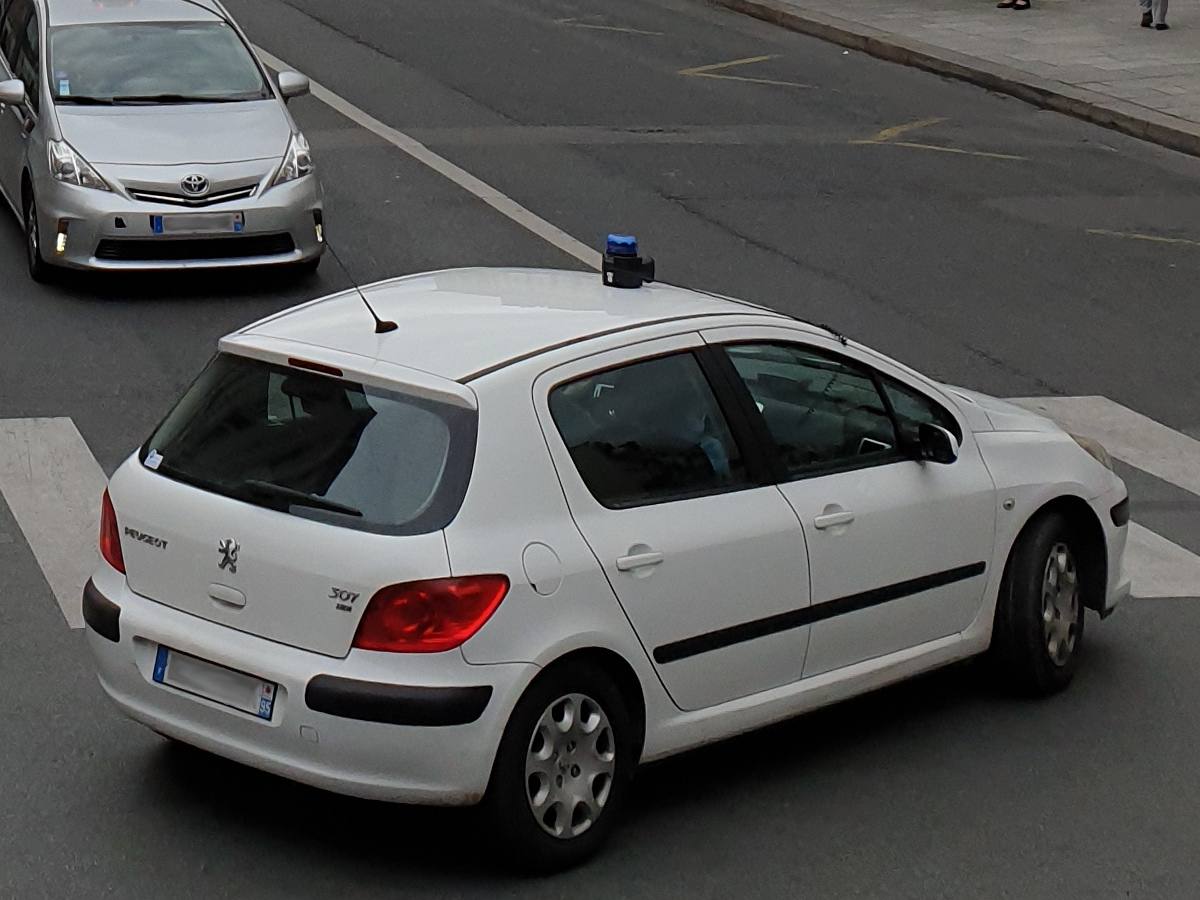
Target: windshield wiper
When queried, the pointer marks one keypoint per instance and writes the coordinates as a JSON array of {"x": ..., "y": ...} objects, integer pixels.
[
  {"x": 175, "y": 98},
  {"x": 299, "y": 498},
  {"x": 83, "y": 100}
]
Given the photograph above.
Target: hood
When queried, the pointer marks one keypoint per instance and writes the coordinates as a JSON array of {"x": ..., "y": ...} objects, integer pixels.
[
  {"x": 177, "y": 135},
  {"x": 999, "y": 414}
]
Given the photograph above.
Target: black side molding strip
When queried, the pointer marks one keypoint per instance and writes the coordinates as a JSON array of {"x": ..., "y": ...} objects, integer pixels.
[
  {"x": 798, "y": 618},
  {"x": 390, "y": 704},
  {"x": 101, "y": 614}
]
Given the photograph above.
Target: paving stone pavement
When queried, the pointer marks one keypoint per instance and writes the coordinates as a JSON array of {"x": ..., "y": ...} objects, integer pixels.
[{"x": 1090, "y": 51}]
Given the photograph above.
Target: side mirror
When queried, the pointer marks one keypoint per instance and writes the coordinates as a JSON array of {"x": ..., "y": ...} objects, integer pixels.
[
  {"x": 12, "y": 93},
  {"x": 293, "y": 84},
  {"x": 936, "y": 444}
]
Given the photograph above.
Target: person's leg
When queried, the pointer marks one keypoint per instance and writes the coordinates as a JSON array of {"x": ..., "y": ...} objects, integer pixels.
[
  {"x": 1160, "y": 13},
  {"x": 1147, "y": 18}
]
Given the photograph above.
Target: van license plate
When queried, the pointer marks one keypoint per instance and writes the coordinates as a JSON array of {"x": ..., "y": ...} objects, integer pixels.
[
  {"x": 199, "y": 223},
  {"x": 228, "y": 687}
]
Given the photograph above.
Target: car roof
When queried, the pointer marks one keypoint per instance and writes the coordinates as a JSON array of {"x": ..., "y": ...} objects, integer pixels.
[
  {"x": 89, "y": 12},
  {"x": 461, "y": 323}
]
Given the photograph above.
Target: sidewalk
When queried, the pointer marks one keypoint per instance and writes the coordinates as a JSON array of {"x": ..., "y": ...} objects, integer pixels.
[{"x": 1086, "y": 58}]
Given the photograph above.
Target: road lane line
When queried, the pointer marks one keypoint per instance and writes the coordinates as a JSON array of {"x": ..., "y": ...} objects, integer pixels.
[
  {"x": 503, "y": 204},
  {"x": 1134, "y": 236},
  {"x": 705, "y": 70},
  {"x": 896, "y": 130},
  {"x": 1127, "y": 435},
  {"x": 575, "y": 23},
  {"x": 715, "y": 71},
  {"x": 53, "y": 485},
  {"x": 912, "y": 146},
  {"x": 1159, "y": 567}
]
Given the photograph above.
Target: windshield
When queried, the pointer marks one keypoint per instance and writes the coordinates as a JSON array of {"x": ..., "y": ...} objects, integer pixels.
[
  {"x": 317, "y": 447},
  {"x": 131, "y": 63}
]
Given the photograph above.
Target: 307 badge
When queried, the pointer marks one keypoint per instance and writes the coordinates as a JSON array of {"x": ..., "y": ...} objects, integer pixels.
[{"x": 344, "y": 599}]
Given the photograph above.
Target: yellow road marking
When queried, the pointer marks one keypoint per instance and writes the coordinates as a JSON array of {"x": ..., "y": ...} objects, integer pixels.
[
  {"x": 703, "y": 70},
  {"x": 1133, "y": 235},
  {"x": 912, "y": 146},
  {"x": 575, "y": 23},
  {"x": 896, "y": 130},
  {"x": 712, "y": 71}
]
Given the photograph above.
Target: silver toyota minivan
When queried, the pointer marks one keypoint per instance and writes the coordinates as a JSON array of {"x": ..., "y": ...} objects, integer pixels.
[{"x": 146, "y": 134}]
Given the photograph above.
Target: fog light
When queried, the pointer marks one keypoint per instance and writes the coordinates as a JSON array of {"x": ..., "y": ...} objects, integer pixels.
[
  {"x": 318, "y": 221},
  {"x": 60, "y": 244}
]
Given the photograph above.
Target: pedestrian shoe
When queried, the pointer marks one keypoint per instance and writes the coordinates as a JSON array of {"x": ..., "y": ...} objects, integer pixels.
[
  {"x": 1162, "y": 26},
  {"x": 1147, "y": 20}
]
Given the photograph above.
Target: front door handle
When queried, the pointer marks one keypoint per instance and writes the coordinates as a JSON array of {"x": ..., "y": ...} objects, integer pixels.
[
  {"x": 832, "y": 520},
  {"x": 638, "y": 561}
]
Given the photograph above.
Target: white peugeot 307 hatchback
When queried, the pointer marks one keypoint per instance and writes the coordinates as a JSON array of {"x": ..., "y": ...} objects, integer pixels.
[{"x": 527, "y": 529}]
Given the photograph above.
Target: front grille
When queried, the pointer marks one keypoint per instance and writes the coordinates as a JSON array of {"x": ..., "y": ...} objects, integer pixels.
[
  {"x": 240, "y": 193},
  {"x": 179, "y": 250}
]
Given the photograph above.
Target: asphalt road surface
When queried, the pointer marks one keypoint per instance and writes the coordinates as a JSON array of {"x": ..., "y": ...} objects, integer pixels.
[{"x": 983, "y": 241}]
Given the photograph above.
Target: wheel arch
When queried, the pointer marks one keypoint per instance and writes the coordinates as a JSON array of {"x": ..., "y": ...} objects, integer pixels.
[
  {"x": 623, "y": 676},
  {"x": 1093, "y": 549}
]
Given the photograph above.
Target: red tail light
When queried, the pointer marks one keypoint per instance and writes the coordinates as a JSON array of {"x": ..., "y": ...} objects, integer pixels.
[
  {"x": 110, "y": 536},
  {"x": 429, "y": 616}
]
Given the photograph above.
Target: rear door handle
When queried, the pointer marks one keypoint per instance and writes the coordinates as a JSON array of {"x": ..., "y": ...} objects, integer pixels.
[
  {"x": 638, "y": 561},
  {"x": 832, "y": 520}
]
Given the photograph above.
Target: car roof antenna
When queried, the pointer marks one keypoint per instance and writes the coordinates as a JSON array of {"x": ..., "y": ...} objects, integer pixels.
[{"x": 382, "y": 326}]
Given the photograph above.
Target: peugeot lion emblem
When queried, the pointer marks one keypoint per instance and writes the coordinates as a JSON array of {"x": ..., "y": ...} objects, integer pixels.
[
  {"x": 194, "y": 185},
  {"x": 228, "y": 549}
]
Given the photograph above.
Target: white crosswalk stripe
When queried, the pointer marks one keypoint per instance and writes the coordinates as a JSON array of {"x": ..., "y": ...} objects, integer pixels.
[{"x": 53, "y": 485}]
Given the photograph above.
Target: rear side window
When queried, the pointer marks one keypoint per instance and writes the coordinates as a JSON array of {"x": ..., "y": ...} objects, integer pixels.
[
  {"x": 318, "y": 447},
  {"x": 650, "y": 432}
]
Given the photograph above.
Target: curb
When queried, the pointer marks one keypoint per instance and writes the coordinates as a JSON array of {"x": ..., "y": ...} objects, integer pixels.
[{"x": 1119, "y": 115}]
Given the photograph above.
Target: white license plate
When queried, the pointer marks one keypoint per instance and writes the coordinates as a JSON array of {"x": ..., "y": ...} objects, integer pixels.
[
  {"x": 198, "y": 223},
  {"x": 225, "y": 686}
]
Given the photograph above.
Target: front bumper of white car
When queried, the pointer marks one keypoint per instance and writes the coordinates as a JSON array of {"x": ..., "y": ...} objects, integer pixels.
[
  {"x": 89, "y": 229},
  {"x": 410, "y": 728},
  {"x": 1112, "y": 509}
]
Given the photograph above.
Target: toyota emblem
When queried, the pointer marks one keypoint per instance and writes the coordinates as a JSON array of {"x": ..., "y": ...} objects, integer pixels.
[{"x": 194, "y": 185}]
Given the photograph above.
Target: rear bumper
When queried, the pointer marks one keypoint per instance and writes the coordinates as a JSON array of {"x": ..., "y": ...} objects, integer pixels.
[{"x": 401, "y": 727}]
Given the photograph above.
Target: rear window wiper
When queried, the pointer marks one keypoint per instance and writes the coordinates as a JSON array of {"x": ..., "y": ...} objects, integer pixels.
[{"x": 299, "y": 498}]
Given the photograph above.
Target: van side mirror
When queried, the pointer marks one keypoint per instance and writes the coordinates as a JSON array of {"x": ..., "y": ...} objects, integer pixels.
[
  {"x": 936, "y": 444},
  {"x": 293, "y": 84},
  {"x": 12, "y": 93}
]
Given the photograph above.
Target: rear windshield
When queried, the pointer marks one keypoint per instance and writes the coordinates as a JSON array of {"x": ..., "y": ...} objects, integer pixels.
[
  {"x": 147, "y": 63},
  {"x": 318, "y": 447}
]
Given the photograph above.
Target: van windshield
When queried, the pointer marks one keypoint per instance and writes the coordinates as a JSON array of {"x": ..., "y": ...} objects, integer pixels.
[{"x": 319, "y": 447}]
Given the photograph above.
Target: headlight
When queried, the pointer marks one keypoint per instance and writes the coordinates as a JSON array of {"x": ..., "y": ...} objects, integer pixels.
[
  {"x": 297, "y": 162},
  {"x": 70, "y": 168},
  {"x": 1095, "y": 450}
]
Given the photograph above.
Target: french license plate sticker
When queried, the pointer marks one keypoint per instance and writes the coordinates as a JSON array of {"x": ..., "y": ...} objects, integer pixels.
[
  {"x": 229, "y": 687},
  {"x": 199, "y": 223}
]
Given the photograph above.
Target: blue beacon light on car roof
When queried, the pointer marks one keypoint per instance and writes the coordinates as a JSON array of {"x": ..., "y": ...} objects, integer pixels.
[{"x": 622, "y": 267}]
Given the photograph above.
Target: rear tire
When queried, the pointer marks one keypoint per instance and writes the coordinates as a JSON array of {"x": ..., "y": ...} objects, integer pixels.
[
  {"x": 39, "y": 270},
  {"x": 1038, "y": 630},
  {"x": 562, "y": 771}
]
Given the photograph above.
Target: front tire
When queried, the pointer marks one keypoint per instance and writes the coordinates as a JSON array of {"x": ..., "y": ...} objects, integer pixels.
[
  {"x": 1038, "y": 630},
  {"x": 562, "y": 771},
  {"x": 39, "y": 269}
]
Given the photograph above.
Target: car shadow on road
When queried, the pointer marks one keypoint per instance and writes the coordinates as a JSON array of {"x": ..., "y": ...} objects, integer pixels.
[{"x": 429, "y": 840}]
